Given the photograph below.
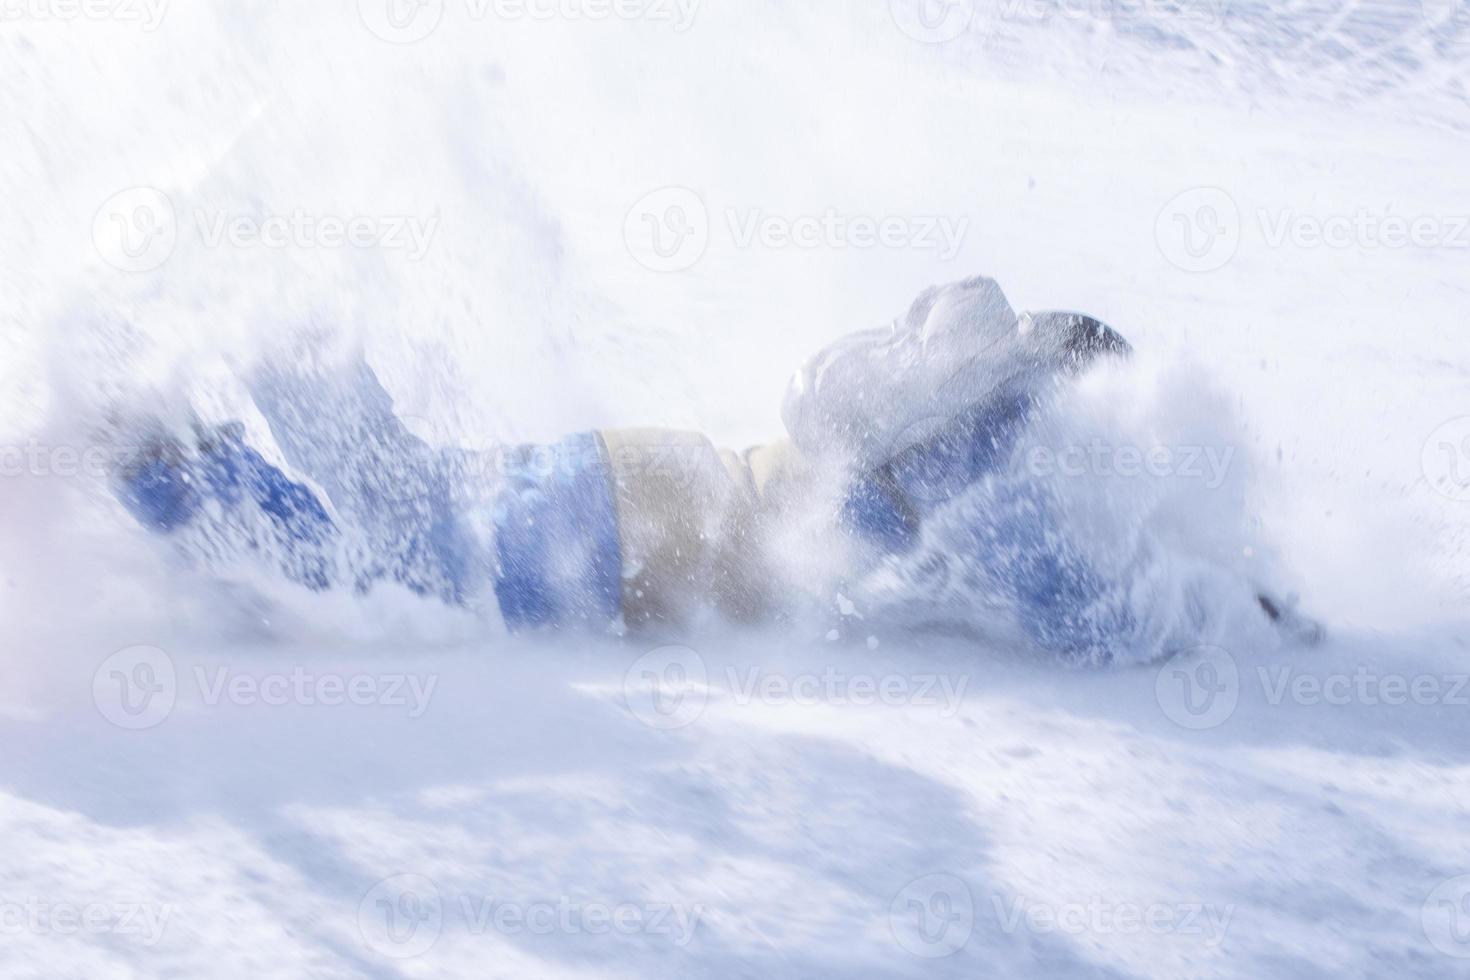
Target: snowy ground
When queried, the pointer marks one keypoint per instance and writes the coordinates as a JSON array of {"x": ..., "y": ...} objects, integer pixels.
[{"x": 181, "y": 796}]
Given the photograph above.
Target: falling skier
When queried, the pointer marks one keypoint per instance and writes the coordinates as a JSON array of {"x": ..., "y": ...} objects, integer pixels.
[{"x": 652, "y": 529}]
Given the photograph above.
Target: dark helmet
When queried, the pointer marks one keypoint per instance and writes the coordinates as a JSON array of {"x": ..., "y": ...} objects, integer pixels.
[{"x": 1083, "y": 338}]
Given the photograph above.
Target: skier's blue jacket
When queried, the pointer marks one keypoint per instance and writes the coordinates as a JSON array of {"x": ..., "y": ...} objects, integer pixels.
[{"x": 638, "y": 526}]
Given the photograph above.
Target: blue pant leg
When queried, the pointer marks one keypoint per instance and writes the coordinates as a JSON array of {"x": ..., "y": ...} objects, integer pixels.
[
  {"x": 400, "y": 515},
  {"x": 556, "y": 559},
  {"x": 403, "y": 500}
]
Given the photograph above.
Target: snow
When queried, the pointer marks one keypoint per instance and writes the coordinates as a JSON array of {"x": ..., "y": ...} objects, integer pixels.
[{"x": 384, "y": 788}]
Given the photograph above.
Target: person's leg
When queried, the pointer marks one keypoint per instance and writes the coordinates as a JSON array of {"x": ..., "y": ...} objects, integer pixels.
[
  {"x": 390, "y": 512},
  {"x": 535, "y": 526},
  {"x": 400, "y": 498}
]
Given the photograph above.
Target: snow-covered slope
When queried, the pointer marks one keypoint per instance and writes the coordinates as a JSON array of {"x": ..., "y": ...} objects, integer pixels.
[{"x": 379, "y": 788}]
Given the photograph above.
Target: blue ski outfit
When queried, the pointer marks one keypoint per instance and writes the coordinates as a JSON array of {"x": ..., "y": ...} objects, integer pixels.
[{"x": 640, "y": 527}]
